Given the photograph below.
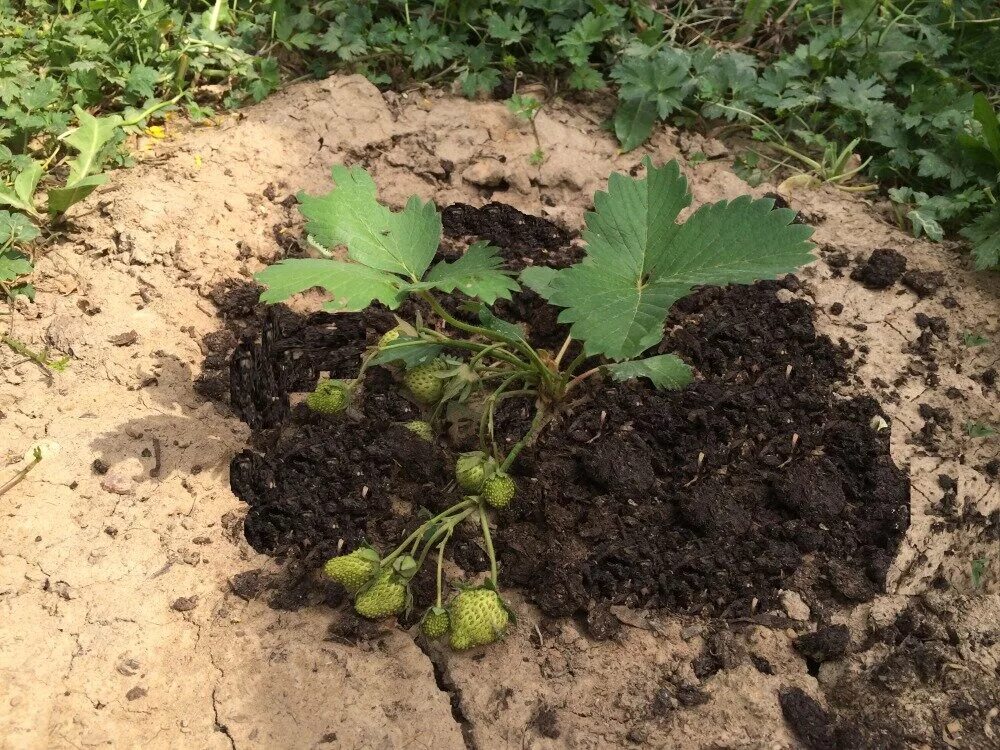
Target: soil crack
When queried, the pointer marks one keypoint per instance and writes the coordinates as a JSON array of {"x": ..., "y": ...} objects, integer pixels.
[{"x": 445, "y": 683}]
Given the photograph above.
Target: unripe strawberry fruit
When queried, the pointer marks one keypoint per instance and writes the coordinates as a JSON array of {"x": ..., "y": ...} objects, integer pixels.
[
  {"x": 499, "y": 490},
  {"x": 435, "y": 622},
  {"x": 330, "y": 397},
  {"x": 388, "y": 337},
  {"x": 421, "y": 429},
  {"x": 470, "y": 471},
  {"x": 423, "y": 383},
  {"x": 478, "y": 617},
  {"x": 353, "y": 571},
  {"x": 385, "y": 597}
]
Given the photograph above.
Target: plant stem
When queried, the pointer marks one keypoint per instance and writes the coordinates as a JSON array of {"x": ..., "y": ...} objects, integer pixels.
[
  {"x": 446, "y": 530},
  {"x": 577, "y": 361},
  {"x": 581, "y": 377},
  {"x": 39, "y": 358},
  {"x": 440, "y": 568},
  {"x": 525, "y": 348},
  {"x": 21, "y": 474},
  {"x": 484, "y": 520},
  {"x": 419, "y": 531},
  {"x": 536, "y": 426},
  {"x": 563, "y": 349}
]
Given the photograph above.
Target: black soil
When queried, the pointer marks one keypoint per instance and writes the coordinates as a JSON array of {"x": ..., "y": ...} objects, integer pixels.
[{"x": 711, "y": 499}]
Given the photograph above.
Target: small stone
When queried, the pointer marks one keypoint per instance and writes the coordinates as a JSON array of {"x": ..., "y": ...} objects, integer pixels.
[
  {"x": 66, "y": 591},
  {"x": 485, "y": 173},
  {"x": 184, "y": 603},
  {"x": 128, "y": 666},
  {"x": 637, "y": 735},
  {"x": 713, "y": 148},
  {"x": 141, "y": 257},
  {"x": 136, "y": 693},
  {"x": 125, "y": 339},
  {"x": 794, "y": 607},
  {"x": 117, "y": 483}
]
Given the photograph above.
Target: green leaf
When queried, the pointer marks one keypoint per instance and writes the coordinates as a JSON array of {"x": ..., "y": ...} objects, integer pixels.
[
  {"x": 16, "y": 228},
  {"x": 408, "y": 350},
  {"x": 9, "y": 197},
  {"x": 403, "y": 243},
  {"x": 923, "y": 223},
  {"x": 634, "y": 121},
  {"x": 478, "y": 273},
  {"x": 13, "y": 264},
  {"x": 352, "y": 285},
  {"x": 753, "y": 14},
  {"x": 639, "y": 261},
  {"x": 499, "y": 325},
  {"x": 88, "y": 139},
  {"x": 971, "y": 339},
  {"x": 979, "y": 430},
  {"x": 984, "y": 234},
  {"x": 539, "y": 279},
  {"x": 61, "y": 199},
  {"x": 982, "y": 110},
  {"x": 26, "y": 182},
  {"x": 664, "y": 371}
]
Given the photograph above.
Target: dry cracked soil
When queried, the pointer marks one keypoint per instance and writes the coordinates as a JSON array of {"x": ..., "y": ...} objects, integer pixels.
[{"x": 134, "y": 613}]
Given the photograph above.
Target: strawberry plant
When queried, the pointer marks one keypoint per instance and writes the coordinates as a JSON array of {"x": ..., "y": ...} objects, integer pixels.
[{"x": 639, "y": 261}]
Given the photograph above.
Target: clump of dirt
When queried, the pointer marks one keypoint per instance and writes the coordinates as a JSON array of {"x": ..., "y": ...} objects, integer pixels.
[
  {"x": 883, "y": 268},
  {"x": 924, "y": 659},
  {"x": 711, "y": 499}
]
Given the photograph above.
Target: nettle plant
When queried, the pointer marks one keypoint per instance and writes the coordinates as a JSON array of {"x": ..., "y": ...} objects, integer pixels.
[{"x": 639, "y": 261}]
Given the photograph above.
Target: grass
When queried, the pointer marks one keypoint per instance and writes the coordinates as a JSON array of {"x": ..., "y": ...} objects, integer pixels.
[{"x": 860, "y": 94}]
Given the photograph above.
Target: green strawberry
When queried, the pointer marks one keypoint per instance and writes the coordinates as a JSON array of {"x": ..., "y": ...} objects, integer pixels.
[
  {"x": 388, "y": 337},
  {"x": 478, "y": 617},
  {"x": 470, "y": 470},
  {"x": 330, "y": 397},
  {"x": 353, "y": 571},
  {"x": 422, "y": 382},
  {"x": 499, "y": 490},
  {"x": 435, "y": 622},
  {"x": 421, "y": 429},
  {"x": 386, "y": 596}
]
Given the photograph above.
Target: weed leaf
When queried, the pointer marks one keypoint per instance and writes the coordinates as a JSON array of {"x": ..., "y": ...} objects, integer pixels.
[
  {"x": 984, "y": 234},
  {"x": 61, "y": 199},
  {"x": 634, "y": 120},
  {"x": 13, "y": 264}
]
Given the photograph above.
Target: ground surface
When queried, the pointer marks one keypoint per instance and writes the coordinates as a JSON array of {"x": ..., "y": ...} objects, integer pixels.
[{"x": 129, "y": 616}]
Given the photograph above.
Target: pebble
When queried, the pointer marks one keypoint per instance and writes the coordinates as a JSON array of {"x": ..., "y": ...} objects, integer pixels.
[
  {"x": 485, "y": 173},
  {"x": 794, "y": 607},
  {"x": 185, "y": 603},
  {"x": 117, "y": 483}
]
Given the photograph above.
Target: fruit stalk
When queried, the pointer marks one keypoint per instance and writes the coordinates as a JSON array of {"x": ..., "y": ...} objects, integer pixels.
[{"x": 485, "y": 522}]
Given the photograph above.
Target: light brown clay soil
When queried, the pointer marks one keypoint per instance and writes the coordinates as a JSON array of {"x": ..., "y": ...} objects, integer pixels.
[{"x": 120, "y": 625}]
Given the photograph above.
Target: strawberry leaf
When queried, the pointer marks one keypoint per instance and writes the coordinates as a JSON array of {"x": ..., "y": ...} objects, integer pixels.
[
  {"x": 408, "y": 350},
  {"x": 664, "y": 371},
  {"x": 539, "y": 279},
  {"x": 402, "y": 243},
  {"x": 478, "y": 273},
  {"x": 352, "y": 285},
  {"x": 639, "y": 261}
]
